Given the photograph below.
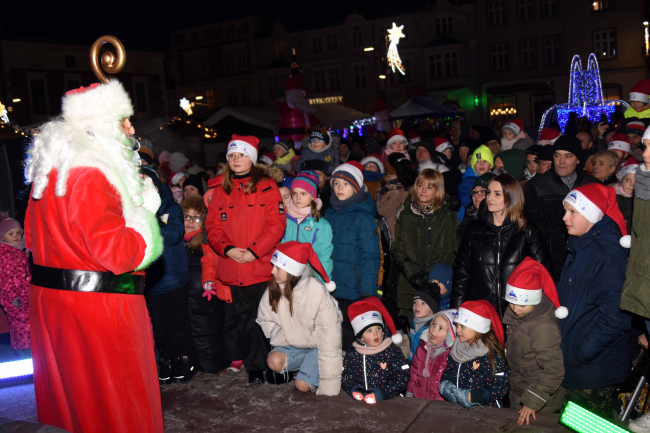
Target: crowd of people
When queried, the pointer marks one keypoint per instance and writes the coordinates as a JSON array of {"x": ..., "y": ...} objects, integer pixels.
[{"x": 466, "y": 264}]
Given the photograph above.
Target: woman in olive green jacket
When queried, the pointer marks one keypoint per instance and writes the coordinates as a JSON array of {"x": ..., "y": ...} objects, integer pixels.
[{"x": 425, "y": 236}]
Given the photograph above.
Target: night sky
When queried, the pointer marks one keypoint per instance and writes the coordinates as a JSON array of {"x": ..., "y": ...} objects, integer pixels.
[{"x": 148, "y": 25}]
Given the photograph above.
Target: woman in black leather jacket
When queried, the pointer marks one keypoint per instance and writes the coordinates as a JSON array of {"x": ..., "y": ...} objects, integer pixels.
[{"x": 494, "y": 245}]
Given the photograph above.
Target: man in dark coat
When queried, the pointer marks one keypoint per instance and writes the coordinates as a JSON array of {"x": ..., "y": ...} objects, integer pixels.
[{"x": 544, "y": 194}]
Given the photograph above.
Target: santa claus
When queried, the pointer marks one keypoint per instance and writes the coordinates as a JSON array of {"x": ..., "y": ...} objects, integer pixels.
[{"x": 91, "y": 226}]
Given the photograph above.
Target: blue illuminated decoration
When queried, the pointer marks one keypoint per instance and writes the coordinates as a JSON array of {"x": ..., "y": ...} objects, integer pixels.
[{"x": 585, "y": 97}]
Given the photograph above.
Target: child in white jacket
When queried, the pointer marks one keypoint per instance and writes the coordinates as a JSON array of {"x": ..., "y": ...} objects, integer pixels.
[{"x": 303, "y": 321}]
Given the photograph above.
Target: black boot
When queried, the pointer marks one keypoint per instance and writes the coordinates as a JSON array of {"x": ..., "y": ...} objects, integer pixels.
[
  {"x": 165, "y": 371},
  {"x": 184, "y": 369},
  {"x": 256, "y": 378},
  {"x": 275, "y": 378}
]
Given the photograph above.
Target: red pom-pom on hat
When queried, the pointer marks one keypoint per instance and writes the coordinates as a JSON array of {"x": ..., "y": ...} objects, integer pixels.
[
  {"x": 527, "y": 283},
  {"x": 371, "y": 311},
  {"x": 294, "y": 257}
]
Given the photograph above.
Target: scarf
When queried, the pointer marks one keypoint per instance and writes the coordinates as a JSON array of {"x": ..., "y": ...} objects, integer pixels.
[
  {"x": 19, "y": 246},
  {"x": 570, "y": 180},
  {"x": 463, "y": 352},
  {"x": 620, "y": 191},
  {"x": 286, "y": 158},
  {"x": 419, "y": 322},
  {"x": 507, "y": 144},
  {"x": 372, "y": 176},
  {"x": 337, "y": 204},
  {"x": 642, "y": 187},
  {"x": 190, "y": 235},
  {"x": 301, "y": 213},
  {"x": 418, "y": 209},
  {"x": 367, "y": 350}
]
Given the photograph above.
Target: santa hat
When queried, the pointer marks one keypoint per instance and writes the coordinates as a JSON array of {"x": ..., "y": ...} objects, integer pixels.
[
  {"x": 294, "y": 257},
  {"x": 594, "y": 201},
  {"x": 267, "y": 159},
  {"x": 480, "y": 316},
  {"x": 620, "y": 142},
  {"x": 526, "y": 284},
  {"x": 395, "y": 135},
  {"x": 351, "y": 172},
  {"x": 513, "y": 125},
  {"x": 635, "y": 127},
  {"x": 178, "y": 176},
  {"x": 631, "y": 166},
  {"x": 246, "y": 144},
  {"x": 373, "y": 158},
  {"x": 178, "y": 161},
  {"x": 368, "y": 312},
  {"x": 640, "y": 92},
  {"x": 96, "y": 104},
  {"x": 548, "y": 136},
  {"x": 442, "y": 144},
  {"x": 414, "y": 137}
]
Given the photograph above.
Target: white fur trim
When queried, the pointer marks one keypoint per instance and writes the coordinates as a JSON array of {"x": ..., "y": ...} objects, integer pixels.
[
  {"x": 368, "y": 159},
  {"x": 626, "y": 241},
  {"x": 515, "y": 129},
  {"x": 285, "y": 262},
  {"x": 446, "y": 145},
  {"x": 583, "y": 205},
  {"x": 394, "y": 138},
  {"x": 150, "y": 195},
  {"x": 517, "y": 296},
  {"x": 639, "y": 97},
  {"x": 473, "y": 321},
  {"x": 331, "y": 286},
  {"x": 366, "y": 319},
  {"x": 397, "y": 338},
  {"x": 619, "y": 145},
  {"x": 266, "y": 160},
  {"x": 415, "y": 140},
  {"x": 237, "y": 146},
  {"x": 145, "y": 223},
  {"x": 177, "y": 177},
  {"x": 105, "y": 102},
  {"x": 433, "y": 166},
  {"x": 561, "y": 312}
]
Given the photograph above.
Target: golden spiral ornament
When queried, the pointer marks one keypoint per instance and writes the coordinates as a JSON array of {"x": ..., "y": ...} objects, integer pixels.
[{"x": 111, "y": 62}]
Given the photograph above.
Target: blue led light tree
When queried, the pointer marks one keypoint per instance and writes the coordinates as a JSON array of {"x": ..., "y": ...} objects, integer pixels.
[{"x": 585, "y": 96}]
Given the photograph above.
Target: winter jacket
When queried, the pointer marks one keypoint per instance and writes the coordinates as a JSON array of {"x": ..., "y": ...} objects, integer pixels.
[
  {"x": 416, "y": 336},
  {"x": 471, "y": 214},
  {"x": 466, "y": 185},
  {"x": 544, "y": 208},
  {"x": 315, "y": 324},
  {"x": 488, "y": 255},
  {"x": 284, "y": 162},
  {"x": 427, "y": 387},
  {"x": 170, "y": 271},
  {"x": 329, "y": 154},
  {"x": 476, "y": 375},
  {"x": 255, "y": 221},
  {"x": 209, "y": 263},
  {"x": 355, "y": 256},
  {"x": 15, "y": 276},
  {"x": 626, "y": 206},
  {"x": 535, "y": 358},
  {"x": 386, "y": 370},
  {"x": 420, "y": 244},
  {"x": 390, "y": 197},
  {"x": 596, "y": 337},
  {"x": 318, "y": 234}
]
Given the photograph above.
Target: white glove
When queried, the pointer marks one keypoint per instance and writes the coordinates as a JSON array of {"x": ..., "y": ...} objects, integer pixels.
[{"x": 150, "y": 196}]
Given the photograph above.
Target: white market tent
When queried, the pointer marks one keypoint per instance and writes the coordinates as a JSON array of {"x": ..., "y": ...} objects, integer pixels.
[{"x": 422, "y": 106}]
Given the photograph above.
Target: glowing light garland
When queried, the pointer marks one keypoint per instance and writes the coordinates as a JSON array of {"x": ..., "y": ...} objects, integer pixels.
[
  {"x": 394, "y": 35},
  {"x": 3, "y": 114},
  {"x": 585, "y": 96},
  {"x": 646, "y": 39}
]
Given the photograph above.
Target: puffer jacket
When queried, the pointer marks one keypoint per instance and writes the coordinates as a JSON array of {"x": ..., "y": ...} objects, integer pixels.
[
  {"x": 318, "y": 234},
  {"x": 315, "y": 324},
  {"x": 329, "y": 154},
  {"x": 420, "y": 244},
  {"x": 372, "y": 367},
  {"x": 389, "y": 198},
  {"x": 427, "y": 387},
  {"x": 597, "y": 341},
  {"x": 356, "y": 254},
  {"x": 255, "y": 221},
  {"x": 535, "y": 358},
  {"x": 544, "y": 208},
  {"x": 284, "y": 162},
  {"x": 477, "y": 376},
  {"x": 488, "y": 255}
]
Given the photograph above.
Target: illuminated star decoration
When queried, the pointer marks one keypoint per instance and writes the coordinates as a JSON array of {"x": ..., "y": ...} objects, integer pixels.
[
  {"x": 185, "y": 105},
  {"x": 394, "y": 36},
  {"x": 3, "y": 114}
]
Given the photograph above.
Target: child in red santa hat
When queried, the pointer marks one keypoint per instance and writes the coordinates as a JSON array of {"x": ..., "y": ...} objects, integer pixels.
[
  {"x": 533, "y": 344},
  {"x": 620, "y": 145},
  {"x": 443, "y": 146},
  {"x": 511, "y": 131},
  {"x": 375, "y": 369},
  {"x": 625, "y": 190},
  {"x": 396, "y": 143},
  {"x": 476, "y": 372}
]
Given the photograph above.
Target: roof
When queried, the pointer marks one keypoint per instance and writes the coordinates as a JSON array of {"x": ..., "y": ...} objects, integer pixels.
[{"x": 420, "y": 106}]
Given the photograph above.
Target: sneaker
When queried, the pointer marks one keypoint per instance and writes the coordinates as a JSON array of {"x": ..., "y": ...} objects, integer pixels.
[
  {"x": 235, "y": 367},
  {"x": 640, "y": 425},
  {"x": 256, "y": 378},
  {"x": 184, "y": 370},
  {"x": 165, "y": 372}
]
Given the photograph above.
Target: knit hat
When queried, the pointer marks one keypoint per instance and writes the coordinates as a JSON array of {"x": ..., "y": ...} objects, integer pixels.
[
  {"x": 640, "y": 91},
  {"x": 483, "y": 180},
  {"x": 351, "y": 172},
  {"x": 307, "y": 180},
  {"x": 513, "y": 161},
  {"x": 546, "y": 153},
  {"x": 444, "y": 273},
  {"x": 265, "y": 159},
  {"x": 8, "y": 224},
  {"x": 246, "y": 144},
  {"x": 177, "y": 161},
  {"x": 526, "y": 284},
  {"x": 146, "y": 153},
  {"x": 634, "y": 127},
  {"x": 442, "y": 144},
  {"x": 195, "y": 181},
  {"x": 294, "y": 257},
  {"x": 513, "y": 125},
  {"x": 548, "y": 136},
  {"x": 428, "y": 144},
  {"x": 430, "y": 295},
  {"x": 321, "y": 134},
  {"x": 482, "y": 152},
  {"x": 450, "y": 315},
  {"x": 395, "y": 135},
  {"x": 568, "y": 143},
  {"x": 373, "y": 159},
  {"x": 178, "y": 176},
  {"x": 594, "y": 201},
  {"x": 480, "y": 316},
  {"x": 283, "y": 143},
  {"x": 368, "y": 312},
  {"x": 414, "y": 137},
  {"x": 631, "y": 166},
  {"x": 313, "y": 164},
  {"x": 620, "y": 142}
]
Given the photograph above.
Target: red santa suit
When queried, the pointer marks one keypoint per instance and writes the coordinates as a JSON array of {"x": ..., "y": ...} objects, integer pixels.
[{"x": 94, "y": 364}]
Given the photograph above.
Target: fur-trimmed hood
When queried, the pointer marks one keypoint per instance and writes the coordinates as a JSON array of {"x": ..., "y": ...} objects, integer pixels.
[{"x": 433, "y": 166}]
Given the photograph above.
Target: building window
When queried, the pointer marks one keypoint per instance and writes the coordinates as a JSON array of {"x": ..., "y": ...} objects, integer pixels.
[
  {"x": 242, "y": 60},
  {"x": 541, "y": 101},
  {"x": 274, "y": 86},
  {"x": 435, "y": 66},
  {"x": 444, "y": 26},
  {"x": 332, "y": 43},
  {"x": 550, "y": 9},
  {"x": 37, "y": 90},
  {"x": 196, "y": 63},
  {"x": 140, "y": 90},
  {"x": 335, "y": 79},
  {"x": 605, "y": 43},
  {"x": 357, "y": 37},
  {"x": 528, "y": 53},
  {"x": 232, "y": 97},
  {"x": 612, "y": 91},
  {"x": 502, "y": 107},
  {"x": 360, "y": 76},
  {"x": 280, "y": 48},
  {"x": 603, "y": 5},
  {"x": 70, "y": 62},
  {"x": 320, "y": 81},
  {"x": 317, "y": 44},
  {"x": 526, "y": 10},
  {"x": 552, "y": 50},
  {"x": 451, "y": 65},
  {"x": 246, "y": 95},
  {"x": 499, "y": 57},
  {"x": 209, "y": 98},
  {"x": 235, "y": 57},
  {"x": 497, "y": 13}
]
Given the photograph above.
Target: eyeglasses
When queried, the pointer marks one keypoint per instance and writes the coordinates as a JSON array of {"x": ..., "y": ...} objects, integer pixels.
[
  {"x": 192, "y": 218},
  {"x": 480, "y": 193},
  {"x": 236, "y": 156}
]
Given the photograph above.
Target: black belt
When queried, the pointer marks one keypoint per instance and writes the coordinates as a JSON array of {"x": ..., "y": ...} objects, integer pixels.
[{"x": 87, "y": 281}]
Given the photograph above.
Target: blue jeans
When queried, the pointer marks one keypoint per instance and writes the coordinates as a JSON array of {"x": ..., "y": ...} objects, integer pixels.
[{"x": 305, "y": 360}]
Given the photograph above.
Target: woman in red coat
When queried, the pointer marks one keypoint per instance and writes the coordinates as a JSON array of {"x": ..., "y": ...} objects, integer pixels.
[{"x": 245, "y": 222}]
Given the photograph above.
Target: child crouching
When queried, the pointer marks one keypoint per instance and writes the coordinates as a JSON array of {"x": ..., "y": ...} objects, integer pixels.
[
  {"x": 476, "y": 371},
  {"x": 375, "y": 369},
  {"x": 430, "y": 359}
]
